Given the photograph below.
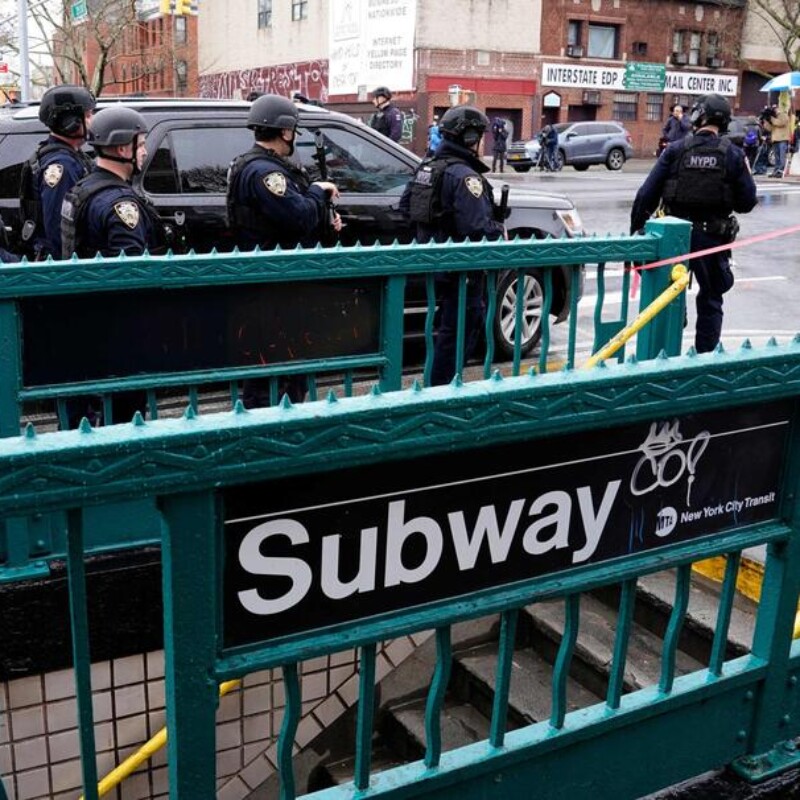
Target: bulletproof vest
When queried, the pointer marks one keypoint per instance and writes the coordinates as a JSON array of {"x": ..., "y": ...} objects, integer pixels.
[
  {"x": 252, "y": 217},
  {"x": 700, "y": 189},
  {"x": 30, "y": 203},
  {"x": 425, "y": 203},
  {"x": 74, "y": 207},
  {"x": 380, "y": 122}
]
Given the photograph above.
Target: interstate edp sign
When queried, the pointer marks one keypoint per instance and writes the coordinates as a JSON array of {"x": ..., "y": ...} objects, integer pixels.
[{"x": 316, "y": 550}]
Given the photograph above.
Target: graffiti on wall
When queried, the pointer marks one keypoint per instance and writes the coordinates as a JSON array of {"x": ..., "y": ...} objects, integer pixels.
[{"x": 310, "y": 78}]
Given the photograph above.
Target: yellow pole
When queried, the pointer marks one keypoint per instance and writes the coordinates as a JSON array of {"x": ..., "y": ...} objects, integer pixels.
[
  {"x": 145, "y": 752},
  {"x": 680, "y": 280}
]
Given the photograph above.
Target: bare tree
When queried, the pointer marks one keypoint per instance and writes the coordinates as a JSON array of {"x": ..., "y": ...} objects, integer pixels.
[{"x": 783, "y": 18}]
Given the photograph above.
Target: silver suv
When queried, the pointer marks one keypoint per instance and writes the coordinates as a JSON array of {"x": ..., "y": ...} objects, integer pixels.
[
  {"x": 580, "y": 144},
  {"x": 191, "y": 142}
]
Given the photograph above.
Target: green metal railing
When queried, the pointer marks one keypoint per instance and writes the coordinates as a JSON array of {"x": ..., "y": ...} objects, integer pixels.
[{"x": 196, "y": 472}]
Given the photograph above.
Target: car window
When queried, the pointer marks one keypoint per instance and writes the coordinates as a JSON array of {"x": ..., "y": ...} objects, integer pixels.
[
  {"x": 354, "y": 163},
  {"x": 13, "y": 151},
  {"x": 582, "y": 130},
  {"x": 195, "y": 160}
]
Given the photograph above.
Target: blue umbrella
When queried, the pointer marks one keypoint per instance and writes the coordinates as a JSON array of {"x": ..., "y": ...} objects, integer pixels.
[{"x": 785, "y": 82}]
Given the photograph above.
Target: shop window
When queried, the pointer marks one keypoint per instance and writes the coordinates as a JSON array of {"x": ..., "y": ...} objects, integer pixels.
[{"x": 625, "y": 104}]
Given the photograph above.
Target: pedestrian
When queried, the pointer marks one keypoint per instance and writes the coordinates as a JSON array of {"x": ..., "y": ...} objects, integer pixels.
[
  {"x": 551, "y": 148},
  {"x": 387, "y": 119},
  {"x": 434, "y": 136},
  {"x": 57, "y": 164},
  {"x": 780, "y": 125},
  {"x": 676, "y": 126},
  {"x": 272, "y": 203},
  {"x": 703, "y": 178},
  {"x": 751, "y": 141},
  {"x": 449, "y": 197},
  {"x": 499, "y": 144},
  {"x": 761, "y": 163},
  {"x": 103, "y": 214}
]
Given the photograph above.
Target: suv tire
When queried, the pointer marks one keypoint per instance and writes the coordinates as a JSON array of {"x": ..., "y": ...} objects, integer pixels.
[
  {"x": 505, "y": 314},
  {"x": 615, "y": 159}
]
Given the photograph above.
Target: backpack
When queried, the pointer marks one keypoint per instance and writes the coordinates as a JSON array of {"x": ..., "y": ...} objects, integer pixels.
[{"x": 750, "y": 136}]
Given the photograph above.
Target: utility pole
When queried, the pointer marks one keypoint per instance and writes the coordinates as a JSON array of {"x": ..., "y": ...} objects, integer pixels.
[{"x": 24, "y": 60}]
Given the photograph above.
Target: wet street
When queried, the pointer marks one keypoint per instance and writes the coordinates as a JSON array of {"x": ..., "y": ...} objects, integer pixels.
[{"x": 764, "y": 302}]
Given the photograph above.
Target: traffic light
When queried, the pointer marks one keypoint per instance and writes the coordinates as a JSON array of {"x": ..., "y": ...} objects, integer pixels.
[
  {"x": 185, "y": 8},
  {"x": 167, "y": 6}
]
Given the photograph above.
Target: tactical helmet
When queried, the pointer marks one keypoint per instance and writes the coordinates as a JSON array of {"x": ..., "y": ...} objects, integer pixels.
[
  {"x": 382, "y": 91},
  {"x": 63, "y": 109},
  {"x": 464, "y": 123},
  {"x": 116, "y": 125},
  {"x": 711, "y": 109},
  {"x": 272, "y": 111}
]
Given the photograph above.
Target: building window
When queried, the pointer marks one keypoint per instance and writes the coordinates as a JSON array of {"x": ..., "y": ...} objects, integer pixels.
[
  {"x": 625, "y": 105},
  {"x": 181, "y": 74},
  {"x": 603, "y": 41},
  {"x": 299, "y": 9},
  {"x": 694, "y": 48},
  {"x": 655, "y": 107},
  {"x": 264, "y": 14},
  {"x": 639, "y": 48},
  {"x": 574, "y": 32},
  {"x": 180, "y": 30}
]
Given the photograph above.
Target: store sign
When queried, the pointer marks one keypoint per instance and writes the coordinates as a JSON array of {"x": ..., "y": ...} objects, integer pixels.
[
  {"x": 349, "y": 544},
  {"x": 588, "y": 76}
]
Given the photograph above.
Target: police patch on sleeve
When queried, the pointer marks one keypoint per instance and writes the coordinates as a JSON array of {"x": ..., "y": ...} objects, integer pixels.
[
  {"x": 52, "y": 175},
  {"x": 275, "y": 183},
  {"x": 474, "y": 185},
  {"x": 128, "y": 212}
]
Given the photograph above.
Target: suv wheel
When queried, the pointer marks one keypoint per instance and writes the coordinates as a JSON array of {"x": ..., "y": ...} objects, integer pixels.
[
  {"x": 521, "y": 169},
  {"x": 506, "y": 314},
  {"x": 615, "y": 159}
]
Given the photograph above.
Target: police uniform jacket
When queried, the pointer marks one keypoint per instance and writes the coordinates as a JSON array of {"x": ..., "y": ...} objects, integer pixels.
[
  {"x": 466, "y": 199},
  {"x": 115, "y": 220},
  {"x": 59, "y": 170},
  {"x": 740, "y": 186},
  {"x": 286, "y": 209},
  {"x": 388, "y": 121}
]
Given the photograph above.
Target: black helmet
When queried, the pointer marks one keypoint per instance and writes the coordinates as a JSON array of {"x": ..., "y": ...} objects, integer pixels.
[
  {"x": 382, "y": 91},
  {"x": 116, "y": 125},
  {"x": 272, "y": 111},
  {"x": 464, "y": 123},
  {"x": 63, "y": 109},
  {"x": 711, "y": 109}
]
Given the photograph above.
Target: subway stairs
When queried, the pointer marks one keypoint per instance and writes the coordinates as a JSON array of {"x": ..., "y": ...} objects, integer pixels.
[{"x": 399, "y": 720}]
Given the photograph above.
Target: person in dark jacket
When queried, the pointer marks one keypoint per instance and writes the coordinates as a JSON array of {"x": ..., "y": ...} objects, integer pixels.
[
  {"x": 499, "y": 144},
  {"x": 103, "y": 214},
  {"x": 676, "y": 126},
  {"x": 56, "y": 166},
  {"x": 450, "y": 197},
  {"x": 702, "y": 178},
  {"x": 387, "y": 119},
  {"x": 272, "y": 203}
]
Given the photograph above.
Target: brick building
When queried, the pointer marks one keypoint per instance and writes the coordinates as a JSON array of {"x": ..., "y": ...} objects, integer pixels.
[{"x": 530, "y": 61}]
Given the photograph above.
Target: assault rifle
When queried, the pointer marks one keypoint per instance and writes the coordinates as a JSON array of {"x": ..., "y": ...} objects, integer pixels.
[
  {"x": 329, "y": 236},
  {"x": 501, "y": 211}
]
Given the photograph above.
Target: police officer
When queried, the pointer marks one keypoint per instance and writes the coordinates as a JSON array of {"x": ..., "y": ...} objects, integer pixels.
[
  {"x": 387, "y": 119},
  {"x": 449, "y": 197},
  {"x": 103, "y": 214},
  {"x": 702, "y": 178},
  {"x": 272, "y": 202},
  {"x": 56, "y": 166}
]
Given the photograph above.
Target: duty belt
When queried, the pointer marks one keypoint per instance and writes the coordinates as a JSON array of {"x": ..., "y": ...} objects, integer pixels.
[{"x": 716, "y": 227}]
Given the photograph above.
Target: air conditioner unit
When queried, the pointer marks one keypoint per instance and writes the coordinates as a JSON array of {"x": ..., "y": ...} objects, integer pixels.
[
  {"x": 591, "y": 97},
  {"x": 575, "y": 50},
  {"x": 681, "y": 59},
  {"x": 714, "y": 62}
]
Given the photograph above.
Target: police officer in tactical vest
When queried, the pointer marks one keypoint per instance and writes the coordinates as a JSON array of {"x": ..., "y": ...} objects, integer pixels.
[
  {"x": 104, "y": 214},
  {"x": 388, "y": 118},
  {"x": 449, "y": 197},
  {"x": 56, "y": 166},
  {"x": 702, "y": 178},
  {"x": 272, "y": 202}
]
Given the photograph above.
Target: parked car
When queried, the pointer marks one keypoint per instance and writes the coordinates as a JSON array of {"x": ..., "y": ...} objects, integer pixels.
[
  {"x": 580, "y": 144},
  {"x": 190, "y": 144}
]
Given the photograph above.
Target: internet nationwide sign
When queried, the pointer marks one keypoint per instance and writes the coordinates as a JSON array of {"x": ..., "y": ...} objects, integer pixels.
[{"x": 323, "y": 549}]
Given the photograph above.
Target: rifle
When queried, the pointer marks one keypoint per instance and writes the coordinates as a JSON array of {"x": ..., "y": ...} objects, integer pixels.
[
  {"x": 329, "y": 236},
  {"x": 501, "y": 211}
]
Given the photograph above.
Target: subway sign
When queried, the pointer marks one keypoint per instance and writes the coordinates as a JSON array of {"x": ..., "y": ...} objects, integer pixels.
[{"x": 317, "y": 550}]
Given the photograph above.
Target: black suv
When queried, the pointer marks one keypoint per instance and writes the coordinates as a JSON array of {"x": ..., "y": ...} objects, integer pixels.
[{"x": 190, "y": 144}]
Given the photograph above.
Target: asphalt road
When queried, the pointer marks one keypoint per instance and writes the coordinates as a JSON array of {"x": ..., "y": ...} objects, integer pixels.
[{"x": 764, "y": 302}]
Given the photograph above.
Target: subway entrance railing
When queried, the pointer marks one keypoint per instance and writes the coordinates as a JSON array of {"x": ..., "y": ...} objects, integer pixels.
[{"x": 292, "y": 532}]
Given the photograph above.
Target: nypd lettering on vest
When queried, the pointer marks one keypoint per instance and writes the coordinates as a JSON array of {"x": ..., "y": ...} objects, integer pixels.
[{"x": 705, "y": 161}]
